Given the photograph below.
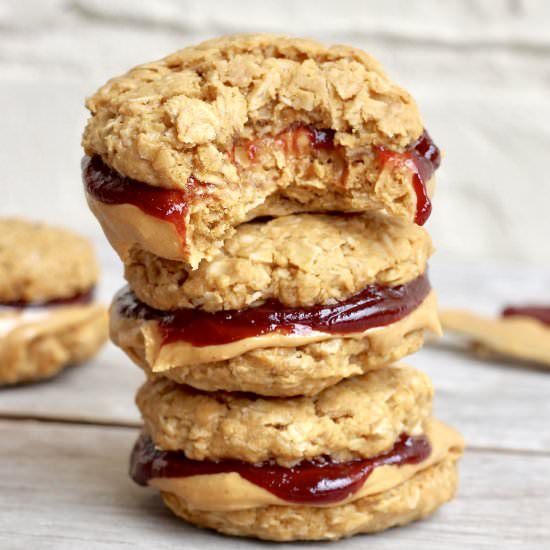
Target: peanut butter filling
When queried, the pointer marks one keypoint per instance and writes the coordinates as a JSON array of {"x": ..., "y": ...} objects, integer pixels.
[
  {"x": 126, "y": 226},
  {"x": 19, "y": 326},
  {"x": 229, "y": 491},
  {"x": 165, "y": 356}
]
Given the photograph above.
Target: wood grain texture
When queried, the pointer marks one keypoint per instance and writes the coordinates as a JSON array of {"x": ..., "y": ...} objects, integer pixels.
[
  {"x": 66, "y": 487},
  {"x": 101, "y": 391}
]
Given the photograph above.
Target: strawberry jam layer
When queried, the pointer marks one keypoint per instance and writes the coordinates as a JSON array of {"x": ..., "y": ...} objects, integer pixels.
[
  {"x": 540, "y": 313},
  {"x": 319, "y": 481},
  {"x": 422, "y": 158},
  {"x": 107, "y": 186},
  {"x": 374, "y": 306},
  {"x": 83, "y": 298}
]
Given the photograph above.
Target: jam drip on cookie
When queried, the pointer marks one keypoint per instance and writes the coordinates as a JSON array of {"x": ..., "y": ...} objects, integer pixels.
[
  {"x": 422, "y": 158},
  {"x": 374, "y": 306},
  {"x": 82, "y": 298},
  {"x": 318, "y": 481},
  {"x": 540, "y": 313}
]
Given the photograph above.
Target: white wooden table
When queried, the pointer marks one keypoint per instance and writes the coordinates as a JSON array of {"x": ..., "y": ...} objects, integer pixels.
[{"x": 65, "y": 444}]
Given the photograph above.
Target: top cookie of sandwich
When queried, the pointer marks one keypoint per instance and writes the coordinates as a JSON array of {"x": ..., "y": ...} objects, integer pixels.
[
  {"x": 254, "y": 125},
  {"x": 40, "y": 263}
]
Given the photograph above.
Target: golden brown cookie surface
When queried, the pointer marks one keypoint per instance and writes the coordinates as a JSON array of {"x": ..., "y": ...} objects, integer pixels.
[
  {"x": 299, "y": 260},
  {"x": 359, "y": 417},
  {"x": 412, "y": 500},
  {"x": 40, "y": 263}
]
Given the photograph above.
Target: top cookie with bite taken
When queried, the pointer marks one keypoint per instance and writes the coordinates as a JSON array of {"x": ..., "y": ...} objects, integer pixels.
[{"x": 247, "y": 126}]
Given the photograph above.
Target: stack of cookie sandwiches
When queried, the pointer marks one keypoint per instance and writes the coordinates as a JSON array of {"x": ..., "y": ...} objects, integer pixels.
[{"x": 266, "y": 196}]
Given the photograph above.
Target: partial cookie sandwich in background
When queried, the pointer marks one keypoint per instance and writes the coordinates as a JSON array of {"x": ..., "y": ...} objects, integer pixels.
[
  {"x": 522, "y": 333},
  {"x": 48, "y": 316},
  {"x": 360, "y": 456},
  {"x": 182, "y": 150},
  {"x": 288, "y": 306}
]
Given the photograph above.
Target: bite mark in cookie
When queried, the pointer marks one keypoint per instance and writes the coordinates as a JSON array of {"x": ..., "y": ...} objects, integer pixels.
[
  {"x": 270, "y": 126},
  {"x": 109, "y": 193}
]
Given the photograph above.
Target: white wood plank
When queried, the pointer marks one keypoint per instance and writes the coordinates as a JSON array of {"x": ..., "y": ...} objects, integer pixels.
[
  {"x": 66, "y": 486},
  {"x": 494, "y": 404},
  {"x": 101, "y": 391}
]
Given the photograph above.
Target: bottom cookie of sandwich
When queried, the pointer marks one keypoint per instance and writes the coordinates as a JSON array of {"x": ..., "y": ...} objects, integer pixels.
[
  {"x": 313, "y": 499},
  {"x": 412, "y": 500}
]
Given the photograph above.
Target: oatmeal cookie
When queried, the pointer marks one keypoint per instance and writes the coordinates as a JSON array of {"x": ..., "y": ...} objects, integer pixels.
[
  {"x": 247, "y": 126},
  {"x": 40, "y": 263},
  {"x": 359, "y": 417},
  {"x": 412, "y": 500},
  {"x": 299, "y": 260},
  {"x": 47, "y": 316}
]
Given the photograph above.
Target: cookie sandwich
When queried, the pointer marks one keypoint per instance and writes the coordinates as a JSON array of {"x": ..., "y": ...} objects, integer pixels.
[
  {"x": 49, "y": 318},
  {"x": 359, "y": 457}
]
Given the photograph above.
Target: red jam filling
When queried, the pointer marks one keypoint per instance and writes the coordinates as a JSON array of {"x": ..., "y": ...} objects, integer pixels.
[
  {"x": 374, "y": 306},
  {"x": 422, "y": 158},
  {"x": 540, "y": 313},
  {"x": 108, "y": 186},
  {"x": 318, "y": 481},
  {"x": 83, "y": 298},
  {"x": 297, "y": 140}
]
